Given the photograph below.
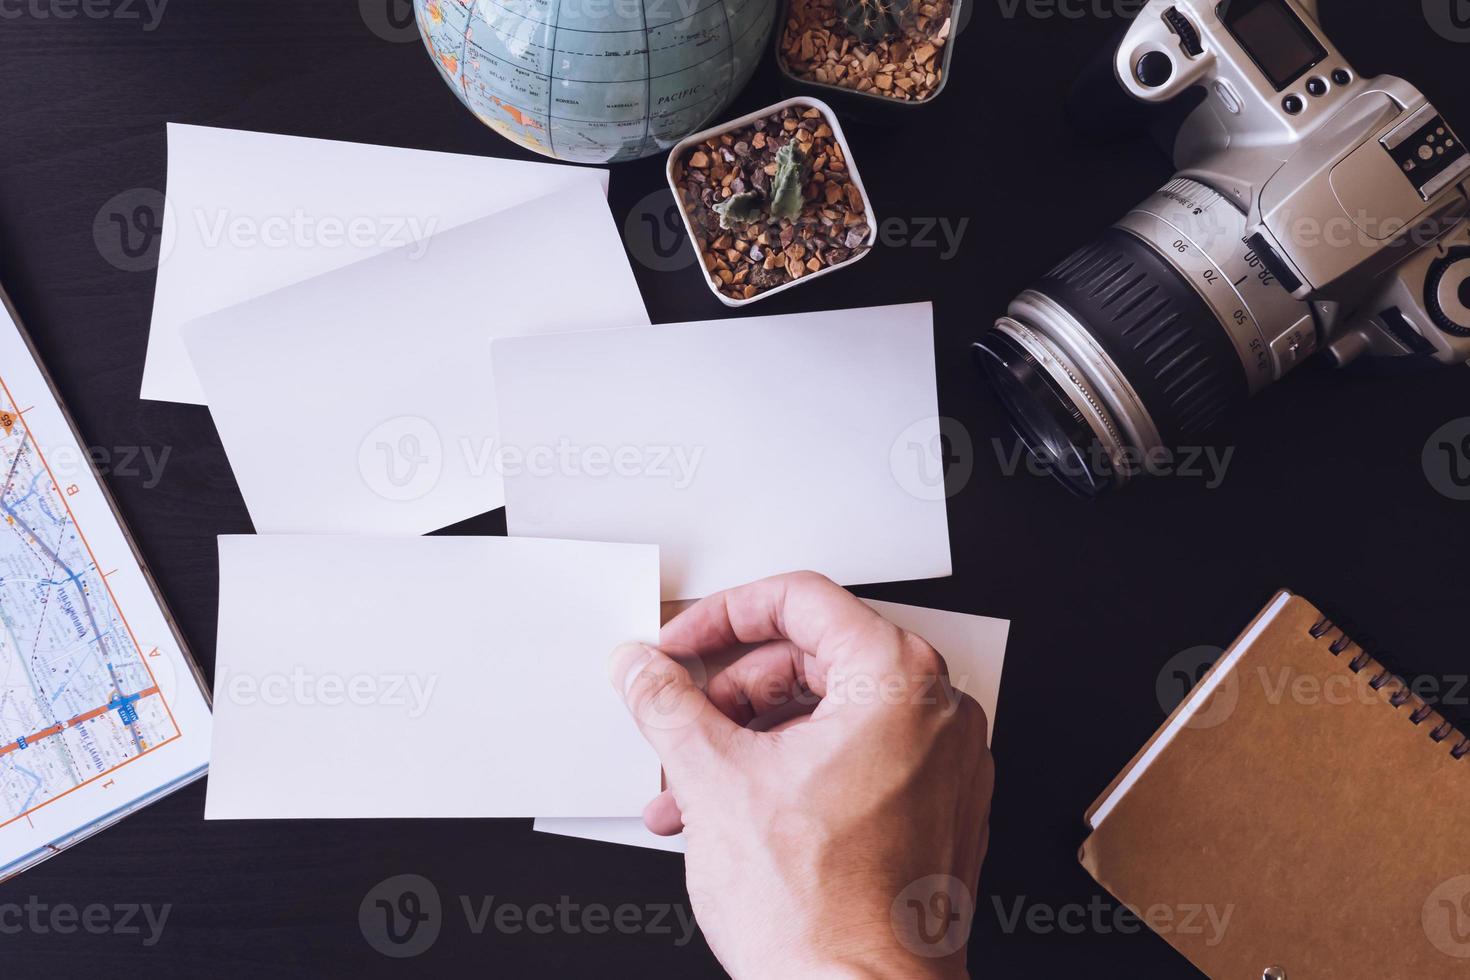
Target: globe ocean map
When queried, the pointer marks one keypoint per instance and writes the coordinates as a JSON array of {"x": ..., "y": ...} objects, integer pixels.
[{"x": 596, "y": 81}]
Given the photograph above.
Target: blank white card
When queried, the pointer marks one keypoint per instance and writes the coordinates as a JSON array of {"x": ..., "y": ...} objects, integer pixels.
[
  {"x": 427, "y": 677},
  {"x": 359, "y": 402},
  {"x": 249, "y": 213},
  {"x": 742, "y": 448}
]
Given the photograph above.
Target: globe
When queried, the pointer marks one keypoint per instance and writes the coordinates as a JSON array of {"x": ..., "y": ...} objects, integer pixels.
[{"x": 596, "y": 81}]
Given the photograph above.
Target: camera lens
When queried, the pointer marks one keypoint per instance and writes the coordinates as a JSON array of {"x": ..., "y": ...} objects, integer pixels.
[
  {"x": 1138, "y": 342},
  {"x": 1047, "y": 423}
]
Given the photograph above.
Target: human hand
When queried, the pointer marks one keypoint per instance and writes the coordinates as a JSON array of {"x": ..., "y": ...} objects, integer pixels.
[{"x": 839, "y": 846}]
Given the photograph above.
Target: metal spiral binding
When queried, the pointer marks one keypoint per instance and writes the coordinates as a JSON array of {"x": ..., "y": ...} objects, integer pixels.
[{"x": 1400, "y": 697}]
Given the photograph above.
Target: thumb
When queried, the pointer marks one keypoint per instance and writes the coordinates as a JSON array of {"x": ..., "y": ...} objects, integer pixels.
[{"x": 673, "y": 714}]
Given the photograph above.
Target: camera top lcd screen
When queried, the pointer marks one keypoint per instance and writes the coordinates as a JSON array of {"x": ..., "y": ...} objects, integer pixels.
[{"x": 1274, "y": 36}]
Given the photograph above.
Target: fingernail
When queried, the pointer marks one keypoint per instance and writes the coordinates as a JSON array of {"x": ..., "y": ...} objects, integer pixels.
[{"x": 626, "y": 661}]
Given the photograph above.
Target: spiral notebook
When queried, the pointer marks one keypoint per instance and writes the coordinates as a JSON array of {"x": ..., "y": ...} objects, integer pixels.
[{"x": 1302, "y": 815}]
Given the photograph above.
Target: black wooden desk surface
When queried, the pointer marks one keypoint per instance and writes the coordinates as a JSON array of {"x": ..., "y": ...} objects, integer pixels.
[{"x": 1325, "y": 491}]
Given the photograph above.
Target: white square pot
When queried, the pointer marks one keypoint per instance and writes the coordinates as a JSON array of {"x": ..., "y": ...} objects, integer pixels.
[{"x": 745, "y": 120}]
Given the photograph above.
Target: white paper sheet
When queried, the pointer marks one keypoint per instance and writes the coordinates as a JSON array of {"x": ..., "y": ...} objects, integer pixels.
[
  {"x": 361, "y": 401},
  {"x": 743, "y": 448},
  {"x": 247, "y": 213},
  {"x": 427, "y": 677},
  {"x": 974, "y": 647}
]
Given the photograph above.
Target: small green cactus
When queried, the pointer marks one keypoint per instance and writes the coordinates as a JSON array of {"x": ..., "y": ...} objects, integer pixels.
[
  {"x": 786, "y": 185},
  {"x": 739, "y": 209},
  {"x": 873, "y": 20}
]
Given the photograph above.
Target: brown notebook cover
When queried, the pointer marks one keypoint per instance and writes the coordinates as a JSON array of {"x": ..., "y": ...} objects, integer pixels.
[{"x": 1302, "y": 810}]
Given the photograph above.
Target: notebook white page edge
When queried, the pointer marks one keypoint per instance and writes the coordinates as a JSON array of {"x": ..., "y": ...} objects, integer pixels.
[{"x": 1197, "y": 698}]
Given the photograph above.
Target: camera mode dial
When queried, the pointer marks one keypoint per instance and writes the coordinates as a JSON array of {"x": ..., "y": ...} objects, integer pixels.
[{"x": 1447, "y": 293}]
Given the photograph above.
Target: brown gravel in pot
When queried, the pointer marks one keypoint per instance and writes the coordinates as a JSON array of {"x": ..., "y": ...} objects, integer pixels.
[
  {"x": 817, "y": 46},
  {"x": 753, "y": 257}
]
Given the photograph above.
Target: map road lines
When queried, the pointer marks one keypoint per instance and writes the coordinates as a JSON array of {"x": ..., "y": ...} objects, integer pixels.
[{"x": 78, "y": 699}]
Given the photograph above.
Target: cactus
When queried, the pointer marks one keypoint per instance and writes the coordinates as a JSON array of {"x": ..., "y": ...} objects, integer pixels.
[
  {"x": 738, "y": 209},
  {"x": 786, "y": 185},
  {"x": 873, "y": 20}
]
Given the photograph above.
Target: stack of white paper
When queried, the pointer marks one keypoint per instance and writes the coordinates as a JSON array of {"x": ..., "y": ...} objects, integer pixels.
[
  {"x": 247, "y": 213},
  {"x": 361, "y": 402},
  {"x": 457, "y": 353}
]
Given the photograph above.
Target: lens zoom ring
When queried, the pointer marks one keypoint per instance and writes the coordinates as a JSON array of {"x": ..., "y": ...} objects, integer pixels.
[{"x": 1156, "y": 328}]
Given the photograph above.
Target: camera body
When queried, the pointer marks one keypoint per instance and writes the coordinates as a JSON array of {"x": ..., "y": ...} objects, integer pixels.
[
  {"x": 1352, "y": 186},
  {"x": 1312, "y": 210}
]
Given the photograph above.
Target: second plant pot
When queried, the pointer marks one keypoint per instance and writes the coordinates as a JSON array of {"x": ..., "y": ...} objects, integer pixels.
[{"x": 865, "y": 106}]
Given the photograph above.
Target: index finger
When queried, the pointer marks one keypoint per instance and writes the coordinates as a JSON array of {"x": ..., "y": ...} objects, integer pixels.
[{"x": 822, "y": 620}]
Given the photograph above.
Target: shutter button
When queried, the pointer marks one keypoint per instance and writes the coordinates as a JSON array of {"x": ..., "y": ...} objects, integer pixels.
[{"x": 1154, "y": 69}]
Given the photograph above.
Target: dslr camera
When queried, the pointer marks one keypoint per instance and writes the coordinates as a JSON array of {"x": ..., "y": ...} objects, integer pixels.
[{"x": 1312, "y": 210}]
